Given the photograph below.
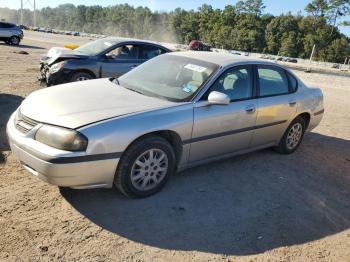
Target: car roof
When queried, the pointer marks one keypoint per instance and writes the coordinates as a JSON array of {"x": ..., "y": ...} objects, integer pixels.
[
  {"x": 117, "y": 40},
  {"x": 221, "y": 59}
]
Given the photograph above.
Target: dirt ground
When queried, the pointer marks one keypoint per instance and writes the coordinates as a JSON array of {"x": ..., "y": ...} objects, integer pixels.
[{"x": 257, "y": 207}]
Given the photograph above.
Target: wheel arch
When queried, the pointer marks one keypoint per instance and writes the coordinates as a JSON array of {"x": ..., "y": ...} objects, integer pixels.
[
  {"x": 83, "y": 70},
  {"x": 171, "y": 136},
  {"x": 307, "y": 118}
]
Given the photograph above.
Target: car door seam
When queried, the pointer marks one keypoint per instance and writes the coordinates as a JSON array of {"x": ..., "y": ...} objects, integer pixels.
[{"x": 231, "y": 132}]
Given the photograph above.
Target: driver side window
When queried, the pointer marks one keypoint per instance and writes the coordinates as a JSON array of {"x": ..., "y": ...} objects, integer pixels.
[
  {"x": 236, "y": 83},
  {"x": 124, "y": 52}
]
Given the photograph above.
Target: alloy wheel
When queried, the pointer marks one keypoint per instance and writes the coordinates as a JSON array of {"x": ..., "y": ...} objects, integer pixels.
[
  {"x": 82, "y": 78},
  {"x": 149, "y": 169},
  {"x": 294, "y": 135}
]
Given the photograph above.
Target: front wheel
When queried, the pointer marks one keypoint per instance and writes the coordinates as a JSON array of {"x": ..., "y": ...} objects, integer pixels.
[
  {"x": 145, "y": 167},
  {"x": 292, "y": 137},
  {"x": 14, "y": 40},
  {"x": 81, "y": 76}
]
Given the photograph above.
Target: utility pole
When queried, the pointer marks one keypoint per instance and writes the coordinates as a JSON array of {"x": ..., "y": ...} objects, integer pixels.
[
  {"x": 21, "y": 21},
  {"x": 312, "y": 55},
  {"x": 25, "y": 3},
  {"x": 34, "y": 14}
]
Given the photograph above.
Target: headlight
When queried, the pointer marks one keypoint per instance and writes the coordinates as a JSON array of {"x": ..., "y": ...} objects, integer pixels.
[
  {"x": 61, "y": 138},
  {"x": 57, "y": 67}
]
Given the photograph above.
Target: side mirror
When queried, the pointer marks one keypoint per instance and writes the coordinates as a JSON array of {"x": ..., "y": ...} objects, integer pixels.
[{"x": 218, "y": 98}]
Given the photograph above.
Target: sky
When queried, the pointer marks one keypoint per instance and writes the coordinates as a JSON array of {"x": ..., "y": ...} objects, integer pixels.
[{"x": 275, "y": 7}]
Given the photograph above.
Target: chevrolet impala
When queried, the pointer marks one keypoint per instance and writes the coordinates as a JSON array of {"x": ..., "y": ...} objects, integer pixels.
[{"x": 175, "y": 111}]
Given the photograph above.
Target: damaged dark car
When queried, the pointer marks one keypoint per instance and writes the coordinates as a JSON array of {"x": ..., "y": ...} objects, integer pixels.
[{"x": 107, "y": 57}]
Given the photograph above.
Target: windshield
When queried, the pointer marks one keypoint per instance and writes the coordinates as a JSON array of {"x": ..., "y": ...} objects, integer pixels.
[
  {"x": 170, "y": 77},
  {"x": 95, "y": 47}
]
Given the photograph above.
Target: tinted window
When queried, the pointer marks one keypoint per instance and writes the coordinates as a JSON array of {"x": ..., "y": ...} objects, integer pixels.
[
  {"x": 148, "y": 52},
  {"x": 124, "y": 52},
  {"x": 6, "y": 25},
  {"x": 272, "y": 81},
  {"x": 236, "y": 83}
]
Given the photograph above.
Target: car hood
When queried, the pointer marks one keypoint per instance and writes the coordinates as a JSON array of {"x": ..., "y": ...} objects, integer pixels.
[
  {"x": 80, "y": 103},
  {"x": 59, "y": 54}
]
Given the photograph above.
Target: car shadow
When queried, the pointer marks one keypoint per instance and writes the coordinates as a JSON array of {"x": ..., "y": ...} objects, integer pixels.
[
  {"x": 244, "y": 205},
  {"x": 23, "y": 46},
  {"x": 8, "y": 104}
]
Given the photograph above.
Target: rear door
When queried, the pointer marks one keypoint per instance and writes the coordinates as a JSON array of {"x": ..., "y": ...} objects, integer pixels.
[
  {"x": 120, "y": 60},
  {"x": 223, "y": 129},
  {"x": 276, "y": 104}
]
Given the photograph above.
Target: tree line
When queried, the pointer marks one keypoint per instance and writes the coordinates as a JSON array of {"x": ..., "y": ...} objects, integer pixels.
[{"x": 243, "y": 26}]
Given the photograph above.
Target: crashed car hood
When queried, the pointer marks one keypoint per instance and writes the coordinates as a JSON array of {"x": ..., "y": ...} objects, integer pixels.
[
  {"x": 80, "y": 103},
  {"x": 60, "y": 53}
]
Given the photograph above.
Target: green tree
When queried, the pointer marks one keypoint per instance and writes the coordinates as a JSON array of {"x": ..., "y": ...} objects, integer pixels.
[
  {"x": 280, "y": 29},
  {"x": 317, "y": 8},
  {"x": 255, "y": 7}
]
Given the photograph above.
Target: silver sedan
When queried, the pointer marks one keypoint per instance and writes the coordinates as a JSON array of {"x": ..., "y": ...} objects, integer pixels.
[{"x": 173, "y": 112}]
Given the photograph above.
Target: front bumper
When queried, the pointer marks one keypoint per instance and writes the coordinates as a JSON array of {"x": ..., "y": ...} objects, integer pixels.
[
  {"x": 75, "y": 174},
  {"x": 48, "y": 79}
]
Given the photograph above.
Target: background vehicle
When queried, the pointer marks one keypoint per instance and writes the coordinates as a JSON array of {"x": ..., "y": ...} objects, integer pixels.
[
  {"x": 175, "y": 111},
  {"x": 10, "y": 33},
  {"x": 107, "y": 57},
  {"x": 196, "y": 45}
]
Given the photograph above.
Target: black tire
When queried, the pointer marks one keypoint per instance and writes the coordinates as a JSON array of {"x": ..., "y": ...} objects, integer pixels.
[
  {"x": 82, "y": 76},
  {"x": 122, "y": 179},
  {"x": 283, "y": 147},
  {"x": 14, "y": 40}
]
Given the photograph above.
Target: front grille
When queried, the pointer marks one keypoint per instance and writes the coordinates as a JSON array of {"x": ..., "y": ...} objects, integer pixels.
[{"x": 24, "y": 124}]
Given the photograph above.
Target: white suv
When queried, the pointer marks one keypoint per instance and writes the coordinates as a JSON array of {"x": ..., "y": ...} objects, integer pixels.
[{"x": 10, "y": 33}]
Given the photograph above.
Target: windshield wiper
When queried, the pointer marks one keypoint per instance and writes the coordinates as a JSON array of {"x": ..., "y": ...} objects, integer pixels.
[
  {"x": 136, "y": 91},
  {"x": 116, "y": 81}
]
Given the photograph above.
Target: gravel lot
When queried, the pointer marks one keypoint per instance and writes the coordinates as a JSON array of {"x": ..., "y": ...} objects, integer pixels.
[{"x": 257, "y": 207}]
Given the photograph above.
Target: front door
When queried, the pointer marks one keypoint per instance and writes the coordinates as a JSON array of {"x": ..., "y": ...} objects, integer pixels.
[
  {"x": 120, "y": 61},
  {"x": 223, "y": 129}
]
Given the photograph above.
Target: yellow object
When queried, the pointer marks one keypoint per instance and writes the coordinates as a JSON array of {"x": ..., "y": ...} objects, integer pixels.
[{"x": 71, "y": 46}]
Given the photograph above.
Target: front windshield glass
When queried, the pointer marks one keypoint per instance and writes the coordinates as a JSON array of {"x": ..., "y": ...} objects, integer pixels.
[
  {"x": 170, "y": 77},
  {"x": 95, "y": 47}
]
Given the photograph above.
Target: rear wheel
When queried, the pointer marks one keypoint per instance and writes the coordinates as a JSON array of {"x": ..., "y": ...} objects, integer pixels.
[
  {"x": 292, "y": 137},
  {"x": 81, "y": 76},
  {"x": 145, "y": 167},
  {"x": 14, "y": 40}
]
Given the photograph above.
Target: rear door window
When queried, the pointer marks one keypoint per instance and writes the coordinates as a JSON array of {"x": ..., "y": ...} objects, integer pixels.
[
  {"x": 272, "y": 81},
  {"x": 149, "y": 52}
]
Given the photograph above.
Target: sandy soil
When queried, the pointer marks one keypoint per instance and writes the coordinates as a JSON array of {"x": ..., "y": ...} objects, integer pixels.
[{"x": 257, "y": 207}]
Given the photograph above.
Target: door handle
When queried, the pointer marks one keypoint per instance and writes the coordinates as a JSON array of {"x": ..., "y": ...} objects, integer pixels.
[
  {"x": 292, "y": 103},
  {"x": 250, "y": 109}
]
